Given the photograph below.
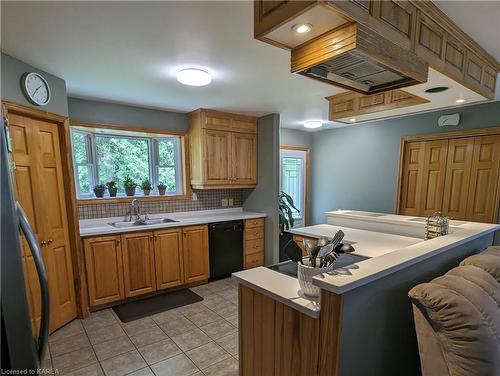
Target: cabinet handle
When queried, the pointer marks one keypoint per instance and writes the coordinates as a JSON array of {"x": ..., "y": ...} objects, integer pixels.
[
  {"x": 43, "y": 242},
  {"x": 118, "y": 241},
  {"x": 49, "y": 241}
]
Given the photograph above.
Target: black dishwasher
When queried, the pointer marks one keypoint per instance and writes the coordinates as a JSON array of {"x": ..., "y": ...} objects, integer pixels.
[{"x": 226, "y": 248}]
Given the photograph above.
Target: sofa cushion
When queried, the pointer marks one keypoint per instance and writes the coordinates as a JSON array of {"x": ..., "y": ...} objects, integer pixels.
[
  {"x": 488, "y": 260},
  {"x": 481, "y": 278}
]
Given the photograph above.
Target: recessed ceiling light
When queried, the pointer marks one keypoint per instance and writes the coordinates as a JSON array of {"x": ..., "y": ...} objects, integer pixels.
[
  {"x": 352, "y": 120},
  {"x": 461, "y": 100},
  {"x": 193, "y": 77},
  {"x": 302, "y": 28},
  {"x": 313, "y": 124}
]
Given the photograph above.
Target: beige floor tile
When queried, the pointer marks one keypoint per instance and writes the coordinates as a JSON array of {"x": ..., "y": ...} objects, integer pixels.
[
  {"x": 190, "y": 309},
  {"x": 113, "y": 347},
  {"x": 91, "y": 370},
  {"x": 69, "y": 329},
  {"x": 202, "y": 291},
  {"x": 228, "y": 367},
  {"x": 229, "y": 343},
  {"x": 167, "y": 316},
  {"x": 218, "y": 329},
  {"x": 190, "y": 340},
  {"x": 148, "y": 336},
  {"x": 75, "y": 359},
  {"x": 142, "y": 372},
  {"x": 203, "y": 317},
  {"x": 69, "y": 343},
  {"x": 105, "y": 333},
  {"x": 158, "y": 351},
  {"x": 233, "y": 319},
  {"x": 179, "y": 365},
  {"x": 137, "y": 326},
  {"x": 177, "y": 327},
  {"x": 213, "y": 301},
  {"x": 99, "y": 320},
  {"x": 123, "y": 364},
  {"x": 206, "y": 355},
  {"x": 46, "y": 364},
  {"x": 226, "y": 310}
]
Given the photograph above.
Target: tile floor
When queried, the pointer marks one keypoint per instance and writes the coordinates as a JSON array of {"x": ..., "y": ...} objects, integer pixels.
[{"x": 197, "y": 339}]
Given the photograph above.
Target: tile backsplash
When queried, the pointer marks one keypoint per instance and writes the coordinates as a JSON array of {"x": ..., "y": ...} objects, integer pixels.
[{"x": 207, "y": 199}]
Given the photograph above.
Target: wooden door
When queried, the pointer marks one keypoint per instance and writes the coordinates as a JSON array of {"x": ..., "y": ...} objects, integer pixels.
[
  {"x": 104, "y": 263},
  {"x": 168, "y": 258},
  {"x": 433, "y": 177},
  {"x": 411, "y": 186},
  {"x": 195, "y": 253},
  {"x": 244, "y": 158},
  {"x": 458, "y": 168},
  {"x": 138, "y": 263},
  {"x": 217, "y": 153},
  {"x": 483, "y": 198}
]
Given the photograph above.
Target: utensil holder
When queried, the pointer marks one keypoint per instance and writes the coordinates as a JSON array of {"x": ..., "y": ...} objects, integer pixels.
[{"x": 305, "y": 274}]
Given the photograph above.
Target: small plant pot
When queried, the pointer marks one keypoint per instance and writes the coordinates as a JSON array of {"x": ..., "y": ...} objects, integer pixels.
[
  {"x": 146, "y": 192},
  {"x": 162, "y": 191},
  {"x": 130, "y": 191},
  {"x": 305, "y": 273},
  {"x": 99, "y": 193},
  {"x": 112, "y": 192}
]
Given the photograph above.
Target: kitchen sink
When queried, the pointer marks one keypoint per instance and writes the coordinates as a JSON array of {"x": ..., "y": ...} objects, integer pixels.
[{"x": 141, "y": 222}]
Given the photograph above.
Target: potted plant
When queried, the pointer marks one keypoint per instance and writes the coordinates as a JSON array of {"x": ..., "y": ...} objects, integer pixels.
[
  {"x": 99, "y": 190},
  {"x": 162, "y": 188},
  {"x": 146, "y": 187},
  {"x": 129, "y": 184},
  {"x": 286, "y": 221},
  {"x": 112, "y": 189}
]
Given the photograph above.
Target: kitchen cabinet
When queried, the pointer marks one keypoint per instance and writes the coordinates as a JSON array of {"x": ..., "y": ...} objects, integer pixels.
[
  {"x": 195, "y": 253},
  {"x": 223, "y": 150},
  {"x": 104, "y": 262},
  {"x": 253, "y": 236},
  {"x": 168, "y": 258},
  {"x": 39, "y": 187},
  {"x": 138, "y": 263}
]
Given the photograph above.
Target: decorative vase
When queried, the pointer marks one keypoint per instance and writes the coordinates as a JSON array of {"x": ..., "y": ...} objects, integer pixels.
[
  {"x": 162, "y": 191},
  {"x": 146, "y": 192},
  {"x": 99, "y": 192},
  {"x": 130, "y": 191},
  {"x": 112, "y": 192},
  {"x": 305, "y": 273}
]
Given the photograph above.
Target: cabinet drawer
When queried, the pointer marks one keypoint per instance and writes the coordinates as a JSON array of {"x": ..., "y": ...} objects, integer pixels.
[
  {"x": 254, "y": 246},
  {"x": 254, "y": 260},
  {"x": 254, "y": 233},
  {"x": 257, "y": 222},
  {"x": 244, "y": 125}
]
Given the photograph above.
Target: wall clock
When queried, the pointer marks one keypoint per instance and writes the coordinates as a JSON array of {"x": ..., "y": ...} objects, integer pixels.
[{"x": 35, "y": 88}]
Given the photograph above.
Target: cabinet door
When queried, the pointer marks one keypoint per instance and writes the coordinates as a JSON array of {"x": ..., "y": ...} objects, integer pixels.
[
  {"x": 482, "y": 202},
  {"x": 217, "y": 152},
  {"x": 195, "y": 253},
  {"x": 458, "y": 168},
  {"x": 138, "y": 263},
  {"x": 411, "y": 186},
  {"x": 433, "y": 178},
  {"x": 244, "y": 158},
  {"x": 168, "y": 258},
  {"x": 103, "y": 260}
]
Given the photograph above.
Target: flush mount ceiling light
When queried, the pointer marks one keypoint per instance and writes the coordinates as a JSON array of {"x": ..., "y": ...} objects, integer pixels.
[
  {"x": 302, "y": 28},
  {"x": 313, "y": 124},
  {"x": 194, "y": 77},
  {"x": 461, "y": 100}
]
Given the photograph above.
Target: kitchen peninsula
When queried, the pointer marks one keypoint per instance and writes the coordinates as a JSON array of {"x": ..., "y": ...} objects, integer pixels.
[{"x": 362, "y": 324}]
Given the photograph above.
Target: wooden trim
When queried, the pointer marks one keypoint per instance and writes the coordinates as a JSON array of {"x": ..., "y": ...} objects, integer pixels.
[
  {"x": 330, "y": 340},
  {"x": 308, "y": 178},
  {"x": 118, "y": 127},
  {"x": 117, "y": 200}
]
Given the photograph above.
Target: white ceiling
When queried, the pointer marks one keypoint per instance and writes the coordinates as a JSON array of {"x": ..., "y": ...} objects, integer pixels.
[{"x": 129, "y": 52}]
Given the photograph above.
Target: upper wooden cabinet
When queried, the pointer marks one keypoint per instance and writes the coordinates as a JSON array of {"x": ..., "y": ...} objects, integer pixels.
[{"x": 223, "y": 150}]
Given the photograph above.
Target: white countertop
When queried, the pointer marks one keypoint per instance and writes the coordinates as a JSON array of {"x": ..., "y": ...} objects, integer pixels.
[{"x": 101, "y": 226}]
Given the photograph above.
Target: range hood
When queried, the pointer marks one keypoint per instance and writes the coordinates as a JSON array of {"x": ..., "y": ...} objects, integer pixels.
[{"x": 356, "y": 58}]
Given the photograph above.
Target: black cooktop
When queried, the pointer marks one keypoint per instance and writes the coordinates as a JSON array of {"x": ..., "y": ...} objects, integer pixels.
[{"x": 290, "y": 268}]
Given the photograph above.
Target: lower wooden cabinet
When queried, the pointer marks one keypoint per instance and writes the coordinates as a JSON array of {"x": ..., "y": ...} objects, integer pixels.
[
  {"x": 169, "y": 258},
  {"x": 195, "y": 251},
  {"x": 254, "y": 243},
  {"x": 300, "y": 242},
  {"x": 103, "y": 259},
  {"x": 138, "y": 263}
]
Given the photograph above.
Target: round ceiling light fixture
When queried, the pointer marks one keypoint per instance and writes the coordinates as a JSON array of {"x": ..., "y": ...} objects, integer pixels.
[
  {"x": 313, "y": 124},
  {"x": 194, "y": 77},
  {"x": 302, "y": 28},
  {"x": 437, "y": 89}
]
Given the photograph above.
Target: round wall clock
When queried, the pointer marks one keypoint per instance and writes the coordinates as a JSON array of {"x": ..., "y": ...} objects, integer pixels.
[{"x": 35, "y": 88}]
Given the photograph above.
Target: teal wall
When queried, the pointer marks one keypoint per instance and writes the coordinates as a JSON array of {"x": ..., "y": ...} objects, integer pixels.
[
  {"x": 10, "y": 89},
  {"x": 356, "y": 167}
]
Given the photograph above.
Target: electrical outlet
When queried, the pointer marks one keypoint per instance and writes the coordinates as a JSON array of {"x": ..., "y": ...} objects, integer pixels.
[
  {"x": 224, "y": 202},
  {"x": 230, "y": 202},
  {"x": 194, "y": 196}
]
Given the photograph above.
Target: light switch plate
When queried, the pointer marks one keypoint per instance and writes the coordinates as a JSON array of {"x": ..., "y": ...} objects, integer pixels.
[
  {"x": 224, "y": 202},
  {"x": 230, "y": 202}
]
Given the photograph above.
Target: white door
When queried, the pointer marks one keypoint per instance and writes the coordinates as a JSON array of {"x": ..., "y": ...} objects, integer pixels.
[{"x": 293, "y": 176}]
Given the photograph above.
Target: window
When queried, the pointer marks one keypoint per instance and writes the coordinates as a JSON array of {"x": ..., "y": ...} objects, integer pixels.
[
  {"x": 293, "y": 166},
  {"x": 102, "y": 155}
]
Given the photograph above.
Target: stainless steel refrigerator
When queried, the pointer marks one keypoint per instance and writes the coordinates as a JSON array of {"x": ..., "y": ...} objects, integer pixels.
[{"x": 20, "y": 350}]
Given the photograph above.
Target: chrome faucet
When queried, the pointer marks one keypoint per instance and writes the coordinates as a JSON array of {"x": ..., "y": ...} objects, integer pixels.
[{"x": 134, "y": 210}]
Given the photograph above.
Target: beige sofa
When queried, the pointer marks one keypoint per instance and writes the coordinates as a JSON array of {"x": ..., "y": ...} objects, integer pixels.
[{"x": 457, "y": 319}]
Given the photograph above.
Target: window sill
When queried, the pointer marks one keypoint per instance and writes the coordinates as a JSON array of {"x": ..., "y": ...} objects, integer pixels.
[{"x": 120, "y": 199}]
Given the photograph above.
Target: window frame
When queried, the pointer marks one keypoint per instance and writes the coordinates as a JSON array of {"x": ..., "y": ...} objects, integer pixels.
[{"x": 93, "y": 130}]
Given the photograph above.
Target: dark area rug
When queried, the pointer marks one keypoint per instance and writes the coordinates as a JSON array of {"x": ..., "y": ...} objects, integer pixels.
[{"x": 149, "y": 306}]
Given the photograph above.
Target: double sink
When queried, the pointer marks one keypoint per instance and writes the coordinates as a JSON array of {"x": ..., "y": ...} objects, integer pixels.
[{"x": 141, "y": 222}]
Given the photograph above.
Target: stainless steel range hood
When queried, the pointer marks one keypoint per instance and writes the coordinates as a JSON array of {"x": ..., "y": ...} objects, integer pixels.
[{"x": 356, "y": 58}]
